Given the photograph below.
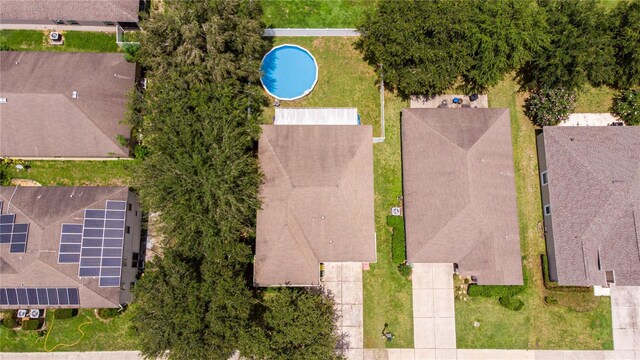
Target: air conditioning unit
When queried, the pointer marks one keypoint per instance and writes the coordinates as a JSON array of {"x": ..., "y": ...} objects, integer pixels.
[
  {"x": 54, "y": 36},
  {"x": 22, "y": 313},
  {"x": 34, "y": 313}
]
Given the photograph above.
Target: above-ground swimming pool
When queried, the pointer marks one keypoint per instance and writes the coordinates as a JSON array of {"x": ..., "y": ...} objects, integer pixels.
[{"x": 289, "y": 72}]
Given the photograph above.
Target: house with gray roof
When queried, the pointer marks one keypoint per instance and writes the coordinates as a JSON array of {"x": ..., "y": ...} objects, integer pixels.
[
  {"x": 68, "y": 247},
  {"x": 590, "y": 187},
  {"x": 317, "y": 201},
  {"x": 27, "y": 13},
  {"x": 459, "y": 193},
  {"x": 64, "y": 105}
]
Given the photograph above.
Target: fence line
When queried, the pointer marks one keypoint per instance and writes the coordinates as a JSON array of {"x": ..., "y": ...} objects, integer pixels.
[{"x": 309, "y": 32}]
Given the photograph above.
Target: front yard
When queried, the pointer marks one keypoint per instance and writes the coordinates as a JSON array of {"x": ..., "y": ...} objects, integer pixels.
[
  {"x": 579, "y": 320},
  {"x": 83, "y": 332}
]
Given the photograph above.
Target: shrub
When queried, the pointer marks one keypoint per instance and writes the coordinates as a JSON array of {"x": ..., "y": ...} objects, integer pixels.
[
  {"x": 404, "y": 269},
  {"x": 65, "y": 313},
  {"x": 131, "y": 52},
  {"x": 9, "y": 322},
  {"x": 398, "y": 251},
  {"x": 626, "y": 106},
  {"x": 31, "y": 324},
  {"x": 107, "y": 313},
  {"x": 511, "y": 303},
  {"x": 140, "y": 152},
  {"x": 550, "y": 300},
  {"x": 494, "y": 290},
  {"x": 123, "y": 141},
  {"x": 550, "y": 106}
]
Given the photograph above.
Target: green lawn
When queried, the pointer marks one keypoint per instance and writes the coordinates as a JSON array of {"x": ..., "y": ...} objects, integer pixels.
[
  {"x": 315, "y": 13},
  {"x": 344, "y": 80},
  {"x": 74, "y": 41},
  {"x": 77, "y": 173},
  {"x": 581, "y": 321},
  {"x": 99, "y": 335}
]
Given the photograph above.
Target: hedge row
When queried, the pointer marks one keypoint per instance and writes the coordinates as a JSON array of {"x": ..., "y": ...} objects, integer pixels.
[
  {"x": 494, "y": 290},
  {"x": 65, "y": 313},
  {"x": 31, "y": 324},
  {"x": 398, "y": 244}
]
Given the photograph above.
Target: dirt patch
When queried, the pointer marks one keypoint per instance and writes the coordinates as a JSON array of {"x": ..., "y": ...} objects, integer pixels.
[
  {"x": 24, "y": 182},
  {"x": 154, "y": 237}
]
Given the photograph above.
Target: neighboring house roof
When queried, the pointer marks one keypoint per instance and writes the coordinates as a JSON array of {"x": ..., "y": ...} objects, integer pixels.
[
  {"x": 41, "y": 119},
  {"x": 459, "y": 192},
  {"x": 79, "y": 10},
  {"x": 594, "y": 193},
  {"x": 45, "y": 209},
  {"x": 317, "y": 201}
]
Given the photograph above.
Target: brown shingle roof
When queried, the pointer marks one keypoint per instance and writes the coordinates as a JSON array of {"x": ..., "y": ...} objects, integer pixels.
[
  {"x": 46, "y": 209},
  {"x": 79, "y": 10},
  {"x": 459, "y": 192},
  {"x": 594, "y": 192},
  {"x": 41, "y": 119},
  {"x": 317, "y": 201}
]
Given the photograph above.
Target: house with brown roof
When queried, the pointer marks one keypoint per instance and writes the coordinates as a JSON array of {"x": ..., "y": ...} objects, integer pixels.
[
  {"x": 27, "y": 13},
  {"x": 76, "y": 247},
  {"x": 590, "y": 186},
  {"x": 459, "y": 192},
  {"x": 63, "y": 105},
  {"x": 317, "y": 201}
]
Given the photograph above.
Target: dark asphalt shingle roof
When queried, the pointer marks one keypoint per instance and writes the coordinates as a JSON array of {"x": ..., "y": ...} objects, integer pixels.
[
  {"x": 317, "y": 201},
  {"x": 594, "y": 192},
  {"x": 459, "y": 192},
  {"x": 79, "y": 10},
  {"x": 42, "y": 119}
]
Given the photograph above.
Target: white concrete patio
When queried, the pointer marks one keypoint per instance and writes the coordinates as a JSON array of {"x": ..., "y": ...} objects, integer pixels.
[{"x": 589, "y": 119}]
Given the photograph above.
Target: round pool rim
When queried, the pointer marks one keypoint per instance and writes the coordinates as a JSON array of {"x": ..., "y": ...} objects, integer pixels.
[{"x": 307, "y": 91}]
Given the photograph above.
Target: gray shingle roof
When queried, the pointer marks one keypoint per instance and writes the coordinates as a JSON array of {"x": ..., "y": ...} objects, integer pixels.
[
  {"x": 46, "y": 209},
  {"x": 42, "y": 119},
  {"x": 79, "y": 10},
  {"x": 459, "y": 192},
  {"x": 317, "y": 201},
  {"x": 594, "y": 192}
]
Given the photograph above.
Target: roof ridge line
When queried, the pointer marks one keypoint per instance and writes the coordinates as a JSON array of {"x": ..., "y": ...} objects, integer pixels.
[
  {"x": 306, "y": 244},
  {"x": 435, "y": 131},
  {"x": 275, "y": 153},
  {"x": 346, "y": 168}
]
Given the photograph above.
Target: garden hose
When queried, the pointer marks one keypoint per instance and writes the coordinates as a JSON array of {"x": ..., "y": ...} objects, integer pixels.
[{"x": 68, "y": 345}]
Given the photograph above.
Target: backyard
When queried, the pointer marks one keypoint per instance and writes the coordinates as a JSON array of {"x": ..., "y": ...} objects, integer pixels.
[{"x": 315, "y": 13}]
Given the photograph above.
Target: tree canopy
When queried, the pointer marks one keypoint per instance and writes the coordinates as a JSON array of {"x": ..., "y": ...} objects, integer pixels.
[
  {"x": 427, "y": 47},
  {"x": 627, "y": 43},
  {"x": 200, "y": 121},
  {"x": 580, "y": 48}
]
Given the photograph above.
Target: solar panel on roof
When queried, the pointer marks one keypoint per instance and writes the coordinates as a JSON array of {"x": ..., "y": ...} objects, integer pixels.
[
  {"x": 7, "y": 219},
  {"x": 39, "y": 296},
  {"x": 13, "y": 234}
]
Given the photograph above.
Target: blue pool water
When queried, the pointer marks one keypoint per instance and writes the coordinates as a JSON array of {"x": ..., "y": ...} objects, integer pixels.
[{"x": 289, "y": 72}]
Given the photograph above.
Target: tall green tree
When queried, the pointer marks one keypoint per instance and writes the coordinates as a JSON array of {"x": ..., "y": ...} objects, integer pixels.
[
  {"x": 580, "y": 48},
  {"x": 506, "y": 34},
  {"x": 190, "y": 306},
  {"x": 420, "y": 44},
  {"x": 295, "y": 323},
  {"x": 205, "y": 40},
  {"x": 627, "y": 43}
]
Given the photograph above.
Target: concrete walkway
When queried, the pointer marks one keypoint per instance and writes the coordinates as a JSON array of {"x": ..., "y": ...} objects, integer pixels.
[
  {"x": 588, "y": 119},
  {"x": 434, "y": 324},
  {"x": 625, "y": 316},
  {"x": 310, "y": 32},
  {"x": 93, "y": 355},
  {"x": 344, "y": 281}
]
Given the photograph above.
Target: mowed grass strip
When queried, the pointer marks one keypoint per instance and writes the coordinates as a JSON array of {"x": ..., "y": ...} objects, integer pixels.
[
  {"x": 77, "y": 173},
  {"x": 580, "y": 320},
  {"x": 99, "y": 335},
  {"x": 387, "y": 294},
  {"x": 74, "y": 41},
  {"x": 315, "y": 13}
]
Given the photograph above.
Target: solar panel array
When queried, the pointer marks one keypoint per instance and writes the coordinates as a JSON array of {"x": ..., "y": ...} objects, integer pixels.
[
  {"x": 13, "y": 234},
  {"x": 97, "y": 243},
  {"x": 39, "y": 296}
]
